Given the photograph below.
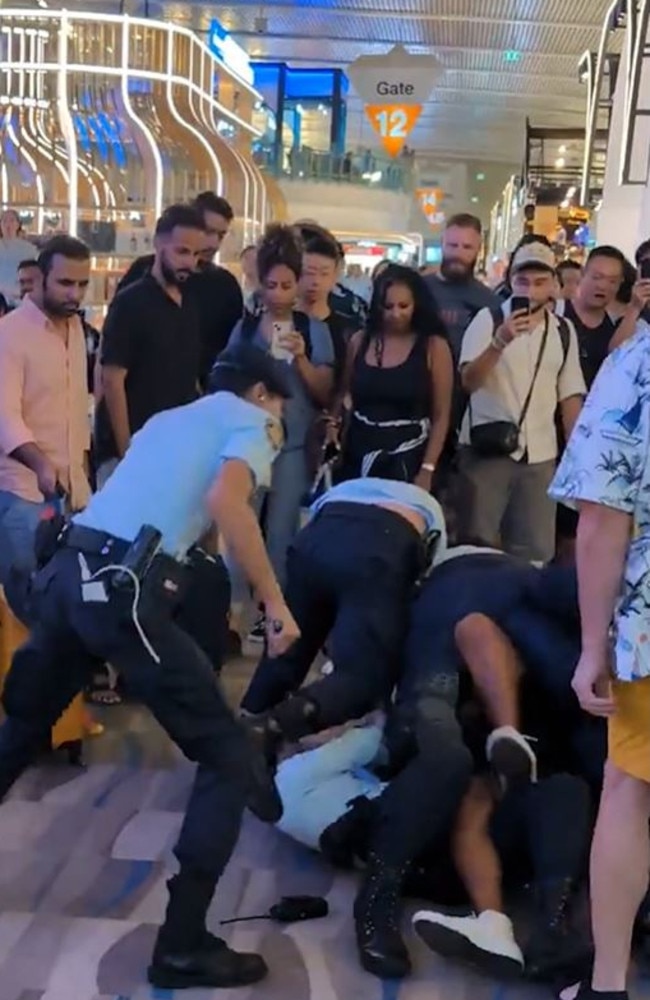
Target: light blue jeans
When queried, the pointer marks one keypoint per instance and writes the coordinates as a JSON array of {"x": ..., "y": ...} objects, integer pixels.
[
  {"x": 18, "y": 523},
  {"x": 289, "y": 484}
]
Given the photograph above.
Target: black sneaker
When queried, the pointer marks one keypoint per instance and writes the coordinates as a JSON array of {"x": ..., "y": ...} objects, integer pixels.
[
  {"x": 258, "y": 631},
  {"x": 212, "y": 965}
]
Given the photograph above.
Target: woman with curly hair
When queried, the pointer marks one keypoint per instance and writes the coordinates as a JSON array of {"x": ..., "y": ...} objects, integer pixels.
[{"x": 306, "y": 346}]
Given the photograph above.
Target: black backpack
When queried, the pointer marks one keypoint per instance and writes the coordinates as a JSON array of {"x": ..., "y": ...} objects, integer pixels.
[
  {"x": 301, "y": 324},
  {"x": 498, "y": 316}
]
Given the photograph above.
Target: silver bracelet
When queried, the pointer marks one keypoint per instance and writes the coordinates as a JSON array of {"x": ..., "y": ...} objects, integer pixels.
[{"x": 498, "y": 343}]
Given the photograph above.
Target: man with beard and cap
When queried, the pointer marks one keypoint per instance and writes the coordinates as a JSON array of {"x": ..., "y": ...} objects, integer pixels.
[
  {"x": 150, "y": 356},
  {"x": 517, "y": 367},
  {"x": 215, "y": 290}
]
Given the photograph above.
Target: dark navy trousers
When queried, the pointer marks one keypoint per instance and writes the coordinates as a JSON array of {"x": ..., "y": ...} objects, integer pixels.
[{"x": 73, "y": 632}]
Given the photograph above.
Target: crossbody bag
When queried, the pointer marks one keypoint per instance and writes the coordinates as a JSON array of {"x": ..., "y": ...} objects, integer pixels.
[{"x": 500, "y": 438}]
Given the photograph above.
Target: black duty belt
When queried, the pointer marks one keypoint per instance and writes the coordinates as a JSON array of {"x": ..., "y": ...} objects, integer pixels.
[{"x": 91, "y": 541}]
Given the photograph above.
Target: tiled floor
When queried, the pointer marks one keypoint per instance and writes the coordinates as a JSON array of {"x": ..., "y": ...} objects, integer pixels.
[{"x": 82, "y": 871}]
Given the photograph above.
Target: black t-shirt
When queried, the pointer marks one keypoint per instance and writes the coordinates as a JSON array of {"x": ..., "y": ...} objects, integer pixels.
[
  {"x": 340, "y": 330},
  {"x": 593, "y": 342},
  {"x": 158, "y": 343},
  {"x": 218, "y": 298}
]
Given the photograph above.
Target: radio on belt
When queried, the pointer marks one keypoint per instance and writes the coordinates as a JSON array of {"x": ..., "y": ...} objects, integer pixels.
[{"x": 138, "y": 557}]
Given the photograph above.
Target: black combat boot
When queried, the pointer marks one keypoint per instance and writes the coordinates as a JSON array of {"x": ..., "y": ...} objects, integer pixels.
[
  {"x": 186, "y": 955},
  {"x": 382, "y": 951},
  {"x": 262, "y": 796},
  {"x": 347, "y": 838},
  {"x": 286, "y": 723},
  {"x": 555, "y": 946}
]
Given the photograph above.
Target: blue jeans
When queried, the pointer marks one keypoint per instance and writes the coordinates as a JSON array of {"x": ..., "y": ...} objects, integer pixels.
[
  {"x": 18, "y": 523},
  {"x": 289, "y": 484}
]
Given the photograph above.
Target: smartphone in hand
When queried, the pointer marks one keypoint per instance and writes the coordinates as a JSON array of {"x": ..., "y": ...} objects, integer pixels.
[
  {"x": 280, "y": 330},
  {"x": 645, "y": 269},
  {"x": 519, "y": 303}
]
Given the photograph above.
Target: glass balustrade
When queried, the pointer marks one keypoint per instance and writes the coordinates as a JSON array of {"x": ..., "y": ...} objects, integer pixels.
[{"x": 368, "y": 168}]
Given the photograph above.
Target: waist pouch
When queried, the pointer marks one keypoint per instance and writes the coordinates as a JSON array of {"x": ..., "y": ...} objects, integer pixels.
[{"x": 498, "y": 438}]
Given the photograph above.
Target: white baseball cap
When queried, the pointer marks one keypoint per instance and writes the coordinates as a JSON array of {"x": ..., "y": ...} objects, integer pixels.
[{"x": 535, "y": 255}]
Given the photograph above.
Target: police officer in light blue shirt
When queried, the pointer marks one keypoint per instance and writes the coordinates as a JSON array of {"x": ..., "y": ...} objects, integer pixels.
[
  {"x": 351, "y": 576},
  {"x": 110, "y": 591}
]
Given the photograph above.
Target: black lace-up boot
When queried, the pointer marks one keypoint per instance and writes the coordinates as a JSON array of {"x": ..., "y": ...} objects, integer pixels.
[
  {"x": 555, "y": 945},
  {"x": 376, "y": 917},
  {"x": 186, "y": 955}
]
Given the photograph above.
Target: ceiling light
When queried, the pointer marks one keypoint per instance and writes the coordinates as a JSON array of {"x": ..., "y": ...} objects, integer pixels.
[
  {"x": 564, "y": 204},
  {"x": 562, "y": 149},
  {"x": 571, "y": 192},
  {"x": 560, "y": 162}
]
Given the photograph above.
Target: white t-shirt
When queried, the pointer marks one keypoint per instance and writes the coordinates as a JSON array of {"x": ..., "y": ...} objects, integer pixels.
[{"x": 503, "y": 394}]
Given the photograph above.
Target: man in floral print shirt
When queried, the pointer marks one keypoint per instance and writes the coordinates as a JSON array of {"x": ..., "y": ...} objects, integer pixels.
[{"x": 606, "y": 471}]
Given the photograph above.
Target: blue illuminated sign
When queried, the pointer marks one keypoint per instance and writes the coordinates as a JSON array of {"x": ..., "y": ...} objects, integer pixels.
[
  {"x": 300, "y": 84},
  {"x": 228, "y": 51}
]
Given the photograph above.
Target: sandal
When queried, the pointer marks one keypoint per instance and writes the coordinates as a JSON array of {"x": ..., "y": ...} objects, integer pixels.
[
  {"x": 585, "y": 992},
  {"x": 103, "y": 692},
  {"x": 104, "y": 697}
]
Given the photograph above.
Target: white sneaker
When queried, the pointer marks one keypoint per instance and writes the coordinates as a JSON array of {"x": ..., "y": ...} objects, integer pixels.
[
  {"x": 486, "y": 942},
  {"x": 510, "y": 755},
  {"x": 258, "y": 631}
]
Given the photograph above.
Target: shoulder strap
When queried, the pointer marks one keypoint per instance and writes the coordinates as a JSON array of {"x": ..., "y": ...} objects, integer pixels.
[
  {"x": 249, "y": 323},
  {"x": 538, "y": 365},
  {"x": 302, "y": 325},
  {"x": 565, "y": 337},
  {"x": 498, "y": 316}
]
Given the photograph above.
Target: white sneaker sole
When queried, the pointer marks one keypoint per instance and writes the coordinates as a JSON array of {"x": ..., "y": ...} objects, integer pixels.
[
  {"x": 452, "y": 945},
  {"x": 513, "y": 761}
]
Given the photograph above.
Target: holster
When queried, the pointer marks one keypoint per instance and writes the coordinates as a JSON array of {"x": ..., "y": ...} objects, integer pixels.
[{"x": 47, "y": 537}]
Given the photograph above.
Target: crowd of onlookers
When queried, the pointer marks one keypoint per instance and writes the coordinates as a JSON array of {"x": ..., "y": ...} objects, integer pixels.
[{"x": 468, "y": 392}]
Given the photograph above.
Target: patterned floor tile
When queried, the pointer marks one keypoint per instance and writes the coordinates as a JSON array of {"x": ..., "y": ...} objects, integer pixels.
[{"x": 84, "y": 856}]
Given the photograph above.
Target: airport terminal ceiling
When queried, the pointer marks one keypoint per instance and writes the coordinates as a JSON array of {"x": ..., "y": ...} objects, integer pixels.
[{"x": 504, "y": 60}]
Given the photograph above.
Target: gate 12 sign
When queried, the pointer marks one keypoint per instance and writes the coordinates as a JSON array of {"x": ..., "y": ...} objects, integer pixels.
[
  {"x": 394, "y": 88},
  {"x": 393, "y": 123}
]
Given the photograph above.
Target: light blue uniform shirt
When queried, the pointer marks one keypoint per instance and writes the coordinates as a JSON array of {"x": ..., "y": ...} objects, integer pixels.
[
  {"x": 317, "y": 786},
  {"x": 300, "y": 409},
  {"x": 164, "y": 478},
  {"x": 382, "y": 491},
  {"x": 607, "y": 462}
]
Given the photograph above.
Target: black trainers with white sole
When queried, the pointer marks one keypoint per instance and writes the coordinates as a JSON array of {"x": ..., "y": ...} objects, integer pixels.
[{"x": 511, "y": 756}]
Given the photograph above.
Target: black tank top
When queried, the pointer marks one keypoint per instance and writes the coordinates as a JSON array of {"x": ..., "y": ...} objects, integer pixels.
[{"x": 401, "y": 392}]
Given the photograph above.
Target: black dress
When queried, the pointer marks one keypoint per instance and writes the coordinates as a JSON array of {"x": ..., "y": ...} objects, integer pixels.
[{"x": 390, "y": 421}]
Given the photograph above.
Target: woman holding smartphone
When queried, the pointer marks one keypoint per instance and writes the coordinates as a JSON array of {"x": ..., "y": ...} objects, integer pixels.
[{"x": 306, "y": 347}]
